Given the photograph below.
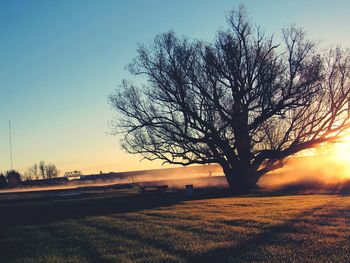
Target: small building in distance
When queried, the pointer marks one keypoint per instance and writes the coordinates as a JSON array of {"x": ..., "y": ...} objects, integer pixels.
[{"x": 75, "y": 175}]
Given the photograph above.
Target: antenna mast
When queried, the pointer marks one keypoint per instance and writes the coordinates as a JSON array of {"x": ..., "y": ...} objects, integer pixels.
[{"x": 10, "y": 144}]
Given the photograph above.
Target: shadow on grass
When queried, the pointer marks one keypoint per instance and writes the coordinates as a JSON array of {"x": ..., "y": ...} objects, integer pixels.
[
  {"x": 281, "y": 243},
  {"x": 57, "y": 209},
  {"x": 272, "y": 243},
  {"x": 128, "y": 235},
  {"x": 253, "y": 248}
]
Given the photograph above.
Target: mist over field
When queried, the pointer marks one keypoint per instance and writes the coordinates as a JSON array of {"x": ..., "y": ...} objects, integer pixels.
[
  {"x": 175, "y": 178},
  {"x": 325, "y": 173},
  {"x": 312, "y": 174}
]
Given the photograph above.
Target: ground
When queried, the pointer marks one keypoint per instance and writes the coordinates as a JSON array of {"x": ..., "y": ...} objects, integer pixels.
[{"x": 112, "y": 225}]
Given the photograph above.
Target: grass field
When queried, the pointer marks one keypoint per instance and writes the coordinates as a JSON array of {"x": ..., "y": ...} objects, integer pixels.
[{"x": 124, "y": 226}]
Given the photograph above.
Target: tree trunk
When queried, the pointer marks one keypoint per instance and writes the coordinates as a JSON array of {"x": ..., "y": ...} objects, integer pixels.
[{"x": 242, "y": 181}]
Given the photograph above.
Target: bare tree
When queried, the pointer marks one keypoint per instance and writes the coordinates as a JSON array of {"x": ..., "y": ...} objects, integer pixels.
[
  {"x": 35, "y": 171},
  {"x": 32, "y": 172},
  {"x": 51, "y": 171},
  {"x": 46, "y": 171},
  {"x": 243, "y": 101},
  {"x": 42, "y": 169},
  {"x": 27, "y": 175}
]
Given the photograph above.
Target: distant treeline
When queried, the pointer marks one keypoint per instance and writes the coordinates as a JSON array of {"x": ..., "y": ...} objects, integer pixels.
[{"x": 41, "y": 173}]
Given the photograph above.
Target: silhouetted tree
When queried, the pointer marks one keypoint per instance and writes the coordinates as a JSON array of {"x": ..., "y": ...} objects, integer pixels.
[
  {"x": 51, "y": 171},
  {"x": 3, "y": 181},
  {"x": 13, "y": 178},
  {"x": 27, "y": 175},
  {"x": 242, "y": 101},
  {"x": 34, "y": 171},
  {"x": 42, "y": 169}
]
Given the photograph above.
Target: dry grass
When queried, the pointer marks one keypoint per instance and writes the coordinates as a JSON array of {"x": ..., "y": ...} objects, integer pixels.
[{"x": 146, "y": 229}]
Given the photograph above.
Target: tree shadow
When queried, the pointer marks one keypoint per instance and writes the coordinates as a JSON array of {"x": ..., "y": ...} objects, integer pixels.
[
  {"x": 165, "y": 248},
  {"x": 39, "y": 211},
  {"x": 291, "y": 235},
  {"x": 253, "y": 248}
]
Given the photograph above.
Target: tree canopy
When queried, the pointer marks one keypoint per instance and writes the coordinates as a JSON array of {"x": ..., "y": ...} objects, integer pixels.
[
  {"x": 242, "y": 101},
  {"x": 13, "y": 177}
]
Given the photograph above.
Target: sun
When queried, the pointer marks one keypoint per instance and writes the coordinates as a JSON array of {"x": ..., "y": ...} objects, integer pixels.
[
  {"x": 341, "y": 149},
  {"x": 339, "y": 155}
]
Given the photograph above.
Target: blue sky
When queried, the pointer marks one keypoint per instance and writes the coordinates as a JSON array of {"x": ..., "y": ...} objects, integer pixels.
[{"x": 59, "y": 60}]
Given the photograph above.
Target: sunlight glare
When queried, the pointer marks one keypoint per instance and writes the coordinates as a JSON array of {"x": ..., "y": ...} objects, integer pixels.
[{"x": 340, "y": 153}]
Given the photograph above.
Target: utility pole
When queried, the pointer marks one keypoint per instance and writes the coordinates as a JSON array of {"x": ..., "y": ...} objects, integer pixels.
[{"x": 10, "y": 144}]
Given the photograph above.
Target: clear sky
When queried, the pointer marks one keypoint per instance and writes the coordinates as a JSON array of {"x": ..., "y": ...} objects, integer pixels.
[{"x": 60, "y": 59}]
